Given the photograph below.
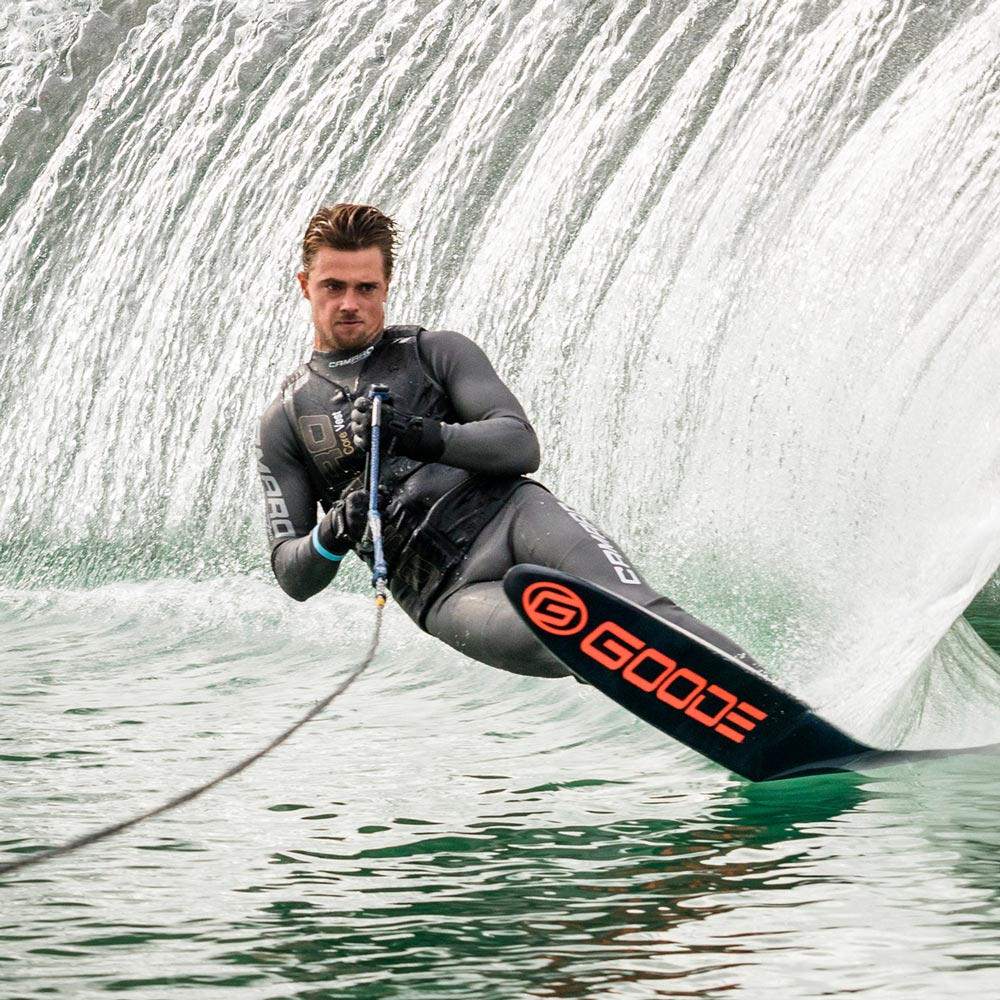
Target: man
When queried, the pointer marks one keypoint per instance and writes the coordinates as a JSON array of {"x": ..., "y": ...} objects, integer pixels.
[{"x": 457, "y": 508}]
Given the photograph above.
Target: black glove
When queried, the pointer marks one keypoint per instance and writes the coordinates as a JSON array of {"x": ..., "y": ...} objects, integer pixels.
[
  {"x": 345, "y": 525},
  {"x": 402, "y": 433}
]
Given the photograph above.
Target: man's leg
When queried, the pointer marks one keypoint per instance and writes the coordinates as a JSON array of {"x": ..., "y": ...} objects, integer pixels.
[{"x": 475, "y": 617}]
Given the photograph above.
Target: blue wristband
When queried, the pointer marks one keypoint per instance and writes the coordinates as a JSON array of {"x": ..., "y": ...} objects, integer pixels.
[{"x": 317, "y": 545}]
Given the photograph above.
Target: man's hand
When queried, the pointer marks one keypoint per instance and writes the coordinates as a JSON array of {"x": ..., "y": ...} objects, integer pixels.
[
  {"x": 345, "y": 524},
  {"x": 403, "y": 434}
]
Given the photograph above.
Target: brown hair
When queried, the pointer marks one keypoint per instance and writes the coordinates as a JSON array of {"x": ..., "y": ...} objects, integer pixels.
[{"x": 351, "y": 227}]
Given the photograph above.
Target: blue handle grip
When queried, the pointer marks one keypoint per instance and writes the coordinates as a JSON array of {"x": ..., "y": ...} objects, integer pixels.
[{"x": 380, "y": 571}]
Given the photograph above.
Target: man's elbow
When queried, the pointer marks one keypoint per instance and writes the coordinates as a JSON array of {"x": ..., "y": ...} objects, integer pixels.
[
  {"x": 294, "y": 592},
  {"x": 532, "y": 457},
  {"x": 293, "y": 583},
  {"x": 529, "y": 453}
]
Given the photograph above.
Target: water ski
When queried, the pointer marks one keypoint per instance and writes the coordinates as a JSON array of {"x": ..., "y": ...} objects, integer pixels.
[{"x": 705, "y": 698}]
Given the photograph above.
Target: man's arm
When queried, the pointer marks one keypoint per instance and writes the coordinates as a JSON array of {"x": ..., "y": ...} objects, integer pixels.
[
  {"x": 290, "y": 509},
  {"x": 493, "y": 435}
]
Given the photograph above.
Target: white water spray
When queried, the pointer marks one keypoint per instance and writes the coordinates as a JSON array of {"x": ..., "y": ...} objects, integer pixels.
[{"x": 738, "y": 258}]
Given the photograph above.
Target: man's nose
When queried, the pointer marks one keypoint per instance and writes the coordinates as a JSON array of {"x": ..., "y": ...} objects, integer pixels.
[{"x": 349, "y": 302}]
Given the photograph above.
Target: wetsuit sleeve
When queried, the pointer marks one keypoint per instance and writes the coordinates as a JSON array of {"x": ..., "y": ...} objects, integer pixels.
[
  {"x": 493, "y": 435},
  {"x": 290, "y": 509}
]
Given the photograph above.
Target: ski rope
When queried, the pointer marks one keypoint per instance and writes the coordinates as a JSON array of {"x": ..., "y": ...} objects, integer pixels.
[{"x": 379, "y": 575}]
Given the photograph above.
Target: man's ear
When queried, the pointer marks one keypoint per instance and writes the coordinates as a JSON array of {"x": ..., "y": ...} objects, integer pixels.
[{"x": 303, "y": 283}]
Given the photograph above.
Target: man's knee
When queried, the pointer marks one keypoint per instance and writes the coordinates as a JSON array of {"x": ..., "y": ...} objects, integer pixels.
[{"x": 480, "y": 623}]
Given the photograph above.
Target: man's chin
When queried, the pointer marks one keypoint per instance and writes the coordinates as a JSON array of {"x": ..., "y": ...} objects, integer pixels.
[{"x": 345, "y": 338}]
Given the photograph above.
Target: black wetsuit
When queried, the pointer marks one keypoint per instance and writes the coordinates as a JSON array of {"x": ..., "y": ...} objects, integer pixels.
[{"x": 453, "y": 528}]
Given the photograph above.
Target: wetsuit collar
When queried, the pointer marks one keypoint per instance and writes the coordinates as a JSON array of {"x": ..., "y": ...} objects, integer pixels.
[{"x": 332, "y": 360}]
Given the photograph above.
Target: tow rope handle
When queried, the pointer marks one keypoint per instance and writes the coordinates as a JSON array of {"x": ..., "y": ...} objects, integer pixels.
[{"x": 380, "y": 571}]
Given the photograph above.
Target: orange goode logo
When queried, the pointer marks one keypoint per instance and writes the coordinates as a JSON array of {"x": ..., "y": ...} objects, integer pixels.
[{"x": 559, "y": 610}]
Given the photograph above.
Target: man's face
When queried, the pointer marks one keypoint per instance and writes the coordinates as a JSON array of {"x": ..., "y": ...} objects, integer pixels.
[{"x": 347, "y": 290}]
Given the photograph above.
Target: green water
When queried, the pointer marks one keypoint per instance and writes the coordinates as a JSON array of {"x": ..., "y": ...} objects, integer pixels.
[{"x": 445, "y": 830}]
